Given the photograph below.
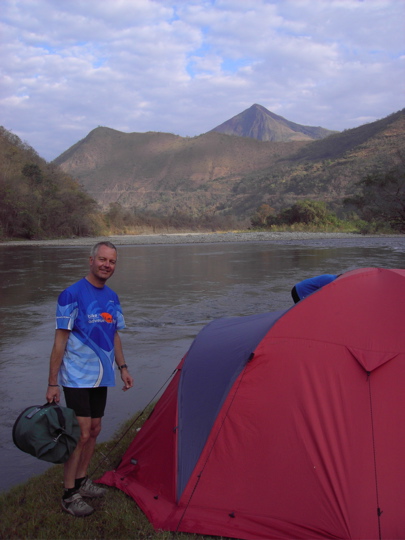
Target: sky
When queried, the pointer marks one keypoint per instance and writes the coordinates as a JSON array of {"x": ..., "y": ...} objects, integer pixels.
[{"x": 187, "y": 66}]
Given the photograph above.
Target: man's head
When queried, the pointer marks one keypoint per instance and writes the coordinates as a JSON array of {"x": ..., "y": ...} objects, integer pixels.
[
  {"x": 96, "y": 247},
  {"x": 103, "y": 258}
]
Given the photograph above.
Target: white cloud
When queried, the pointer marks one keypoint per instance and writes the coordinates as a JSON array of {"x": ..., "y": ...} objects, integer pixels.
[{"x": 186, "y": 66}]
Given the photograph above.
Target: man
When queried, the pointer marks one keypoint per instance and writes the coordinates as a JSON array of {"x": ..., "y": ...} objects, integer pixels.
[
  {"x": 308, "y": 286},
  {"x": 87, "y": 342}
]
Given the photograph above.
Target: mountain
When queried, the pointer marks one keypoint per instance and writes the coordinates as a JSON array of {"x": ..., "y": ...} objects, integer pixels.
[
  {"x": 259, "y": 123},
  {"x": 161, "y": 171},
  {"x": 215, "y": 173}
]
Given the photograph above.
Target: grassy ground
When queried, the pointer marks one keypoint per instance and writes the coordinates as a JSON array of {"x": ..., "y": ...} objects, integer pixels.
[{"x": 33, "y": 511}]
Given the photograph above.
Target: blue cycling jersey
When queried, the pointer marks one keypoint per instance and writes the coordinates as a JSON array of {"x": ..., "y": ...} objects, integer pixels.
[{"x": 93, "y": 315}]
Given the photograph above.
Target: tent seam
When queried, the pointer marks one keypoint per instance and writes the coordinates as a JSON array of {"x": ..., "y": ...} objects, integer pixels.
[
  {"x": 379, "y": 511},
  {"x": 275, "y": 338}
]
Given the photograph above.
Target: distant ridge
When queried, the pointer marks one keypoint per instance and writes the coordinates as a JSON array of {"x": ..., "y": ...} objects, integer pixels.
[
  {"x": 215, "y": 173},
  {"x": 259, "y": 123}
]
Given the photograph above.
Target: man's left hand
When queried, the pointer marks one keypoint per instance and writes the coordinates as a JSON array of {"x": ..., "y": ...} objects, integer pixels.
[{"x": 127, "y": 380}]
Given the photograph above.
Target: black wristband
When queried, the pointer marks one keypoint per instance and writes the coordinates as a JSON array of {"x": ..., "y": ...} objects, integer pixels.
[
  {"x": 55, "y": 385},
  {"x": 122, "y": 367}
]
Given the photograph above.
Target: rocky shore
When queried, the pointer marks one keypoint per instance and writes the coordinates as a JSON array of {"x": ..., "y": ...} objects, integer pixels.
[{"x": 185, "y": 238}]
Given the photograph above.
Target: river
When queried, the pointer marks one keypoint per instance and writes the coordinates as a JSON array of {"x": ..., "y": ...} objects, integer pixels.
[{"x": 168, "y": 293}]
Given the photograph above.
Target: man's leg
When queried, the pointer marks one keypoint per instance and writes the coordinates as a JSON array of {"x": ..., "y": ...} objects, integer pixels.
[
  {"x": 89, "y": 405},
  {"x": 72, "y": 501},
  {"x": 88, "y": 448},
  {"x": 83, "y": 483},
  {"x": 71, "y": 467}
]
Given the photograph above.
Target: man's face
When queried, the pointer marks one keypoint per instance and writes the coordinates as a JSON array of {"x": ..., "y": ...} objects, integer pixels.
[{"x": 102, "y": 266}]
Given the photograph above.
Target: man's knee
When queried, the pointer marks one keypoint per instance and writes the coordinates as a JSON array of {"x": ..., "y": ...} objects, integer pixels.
[
  {"x": 84, "y": 436},
  {"x": 85, "y": 429},
  {"x": 95, "y": 427}
]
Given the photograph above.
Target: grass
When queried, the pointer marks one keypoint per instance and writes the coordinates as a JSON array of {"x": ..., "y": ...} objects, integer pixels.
[
  {"x": 343, "y": 227},
  {"x": 32, "y": 510}
]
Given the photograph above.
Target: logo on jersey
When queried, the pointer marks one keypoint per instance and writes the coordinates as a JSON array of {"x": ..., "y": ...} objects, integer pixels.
[
  {"x": 100, "y": 318},
  {"x": 107, "y": 317}
]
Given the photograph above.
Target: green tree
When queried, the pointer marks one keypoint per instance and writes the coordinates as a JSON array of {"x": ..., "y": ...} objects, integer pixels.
[
  {"x": 262, "y": 215},
  {"x": 115, "y": 216},
  {"x": 308, "y": 212},
  {"x": 312, "y": 213},
  {"x": 381, "y": 198},
  {"x": 33, "y": 172}
]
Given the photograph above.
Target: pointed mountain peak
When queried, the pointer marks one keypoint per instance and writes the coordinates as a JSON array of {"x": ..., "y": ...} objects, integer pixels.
[{"x": 259, "y": 123}]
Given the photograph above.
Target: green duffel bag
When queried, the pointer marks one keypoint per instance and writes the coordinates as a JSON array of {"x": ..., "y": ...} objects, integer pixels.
[{"x": 48, "y": 432}]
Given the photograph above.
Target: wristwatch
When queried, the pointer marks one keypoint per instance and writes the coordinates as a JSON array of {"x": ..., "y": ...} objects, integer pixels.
[{"x": 122, "y": 367}]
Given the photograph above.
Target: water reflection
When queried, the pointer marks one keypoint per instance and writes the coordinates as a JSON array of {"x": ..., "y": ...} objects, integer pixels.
[{"x": 168, "y": 294}]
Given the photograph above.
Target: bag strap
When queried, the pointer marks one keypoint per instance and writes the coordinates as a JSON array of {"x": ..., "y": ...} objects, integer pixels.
[{"x": 59, "y": 413}]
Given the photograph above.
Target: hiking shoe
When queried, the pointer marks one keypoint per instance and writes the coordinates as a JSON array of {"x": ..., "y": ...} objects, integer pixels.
[
  {"x": 88, "y": 489},
  {"x": 76, "y": 506}
]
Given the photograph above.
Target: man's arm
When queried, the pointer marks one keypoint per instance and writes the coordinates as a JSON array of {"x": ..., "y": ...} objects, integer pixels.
[
  {"x": 120, "y": 361},
  {"x": 58, "y": 350}
]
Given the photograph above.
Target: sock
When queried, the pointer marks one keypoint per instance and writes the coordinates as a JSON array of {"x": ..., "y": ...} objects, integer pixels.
[
  {"x": 79, "y": 482},
  {"x": 69, "y": 492}
]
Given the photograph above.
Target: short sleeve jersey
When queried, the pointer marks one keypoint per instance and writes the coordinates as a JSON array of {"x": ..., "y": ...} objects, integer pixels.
[{"x": 93, "y": 315}]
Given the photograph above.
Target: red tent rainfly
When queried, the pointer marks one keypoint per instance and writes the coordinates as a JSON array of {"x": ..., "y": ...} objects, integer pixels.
[{"x": 284, "y": 425}]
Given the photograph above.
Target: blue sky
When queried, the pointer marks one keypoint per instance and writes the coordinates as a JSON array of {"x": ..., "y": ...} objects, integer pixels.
[{"x": 186, "y": 66}]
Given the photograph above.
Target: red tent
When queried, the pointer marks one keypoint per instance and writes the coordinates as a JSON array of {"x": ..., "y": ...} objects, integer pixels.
[{"x": 284, "y": 425}]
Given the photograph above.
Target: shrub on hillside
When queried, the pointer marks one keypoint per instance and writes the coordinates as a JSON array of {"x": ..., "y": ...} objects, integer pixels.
[
  {"x": 380, "y": 199},
  {"x": 311, "y": 213}
]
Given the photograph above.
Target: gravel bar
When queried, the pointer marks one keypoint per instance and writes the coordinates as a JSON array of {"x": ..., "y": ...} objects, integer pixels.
[{"x": 186, "y": 238}]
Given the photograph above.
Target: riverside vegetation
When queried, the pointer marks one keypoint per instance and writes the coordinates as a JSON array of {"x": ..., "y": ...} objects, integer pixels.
[{"x": 32, "y": 510}]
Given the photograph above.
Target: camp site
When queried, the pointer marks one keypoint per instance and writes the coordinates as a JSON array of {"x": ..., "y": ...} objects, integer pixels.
[{"x": 286, "y": 424}]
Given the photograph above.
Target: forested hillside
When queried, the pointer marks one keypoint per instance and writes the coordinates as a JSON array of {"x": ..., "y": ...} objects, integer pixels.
[
  {"x": 329, "y": 170},
  {"x": 38, "y": 199}
]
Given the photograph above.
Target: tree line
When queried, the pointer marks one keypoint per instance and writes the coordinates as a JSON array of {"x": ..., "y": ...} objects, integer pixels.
[
  {"x": 377, "y": 205},
  {"x": 38, "y": 200}
]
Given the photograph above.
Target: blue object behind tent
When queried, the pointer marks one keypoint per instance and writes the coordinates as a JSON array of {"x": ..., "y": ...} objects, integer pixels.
[{"x": 214, "y": 361}]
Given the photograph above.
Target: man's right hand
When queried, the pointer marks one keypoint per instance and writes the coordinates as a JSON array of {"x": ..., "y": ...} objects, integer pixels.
[{"x": 53, "y": 394}]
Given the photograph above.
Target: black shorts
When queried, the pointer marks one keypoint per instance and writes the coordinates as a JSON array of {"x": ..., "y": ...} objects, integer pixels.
[{"x": 89, "y": 402}]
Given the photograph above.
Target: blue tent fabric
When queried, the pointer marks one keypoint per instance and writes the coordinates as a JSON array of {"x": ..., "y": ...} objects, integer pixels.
[{"x": 216, "y": 358}]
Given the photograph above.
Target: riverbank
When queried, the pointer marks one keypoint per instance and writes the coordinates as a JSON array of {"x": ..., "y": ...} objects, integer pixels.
[
  {"x": 32, "y": 510},
  {"x": 189, "y": 238}
]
